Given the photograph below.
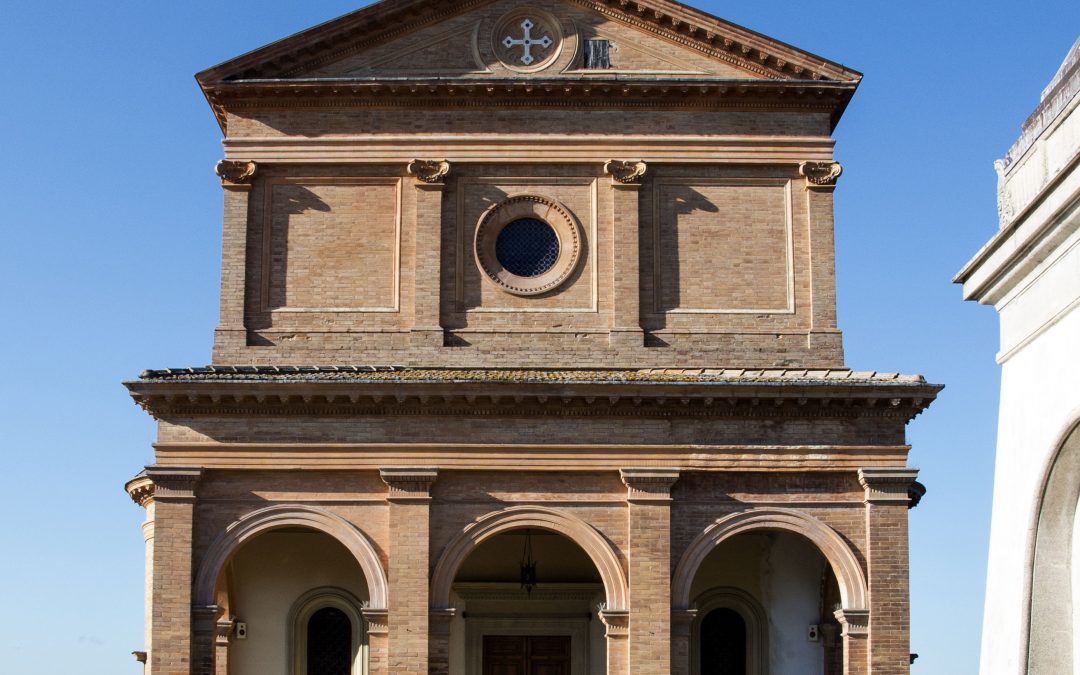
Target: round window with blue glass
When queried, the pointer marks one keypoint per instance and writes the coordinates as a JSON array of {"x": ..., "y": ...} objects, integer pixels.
[{"x": 528, "y": 244}]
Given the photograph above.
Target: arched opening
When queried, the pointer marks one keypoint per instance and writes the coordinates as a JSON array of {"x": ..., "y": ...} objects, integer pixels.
[
  {"x": 759, "y": 604},
  {"x": 549, "y": 626},
  {"x": 300, "y": 595},
  {"x": 269, "y": 575},
  {"x": 1055, "y": 605},
  {"x": 580, "y": 586}
]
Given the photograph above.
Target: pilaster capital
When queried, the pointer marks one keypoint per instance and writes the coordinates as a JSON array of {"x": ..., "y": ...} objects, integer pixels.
[
  {"x": 648, "y": 485},
  {"x": 140, "y": 489},
  {"x": 887, "y": 486},
  {"x": 439, "y": 619},
  {"x": 203, "y": 617},
  {"x": 409, "y": 484},
  {"x": 224, "y": 630},
  {"x": 174, "y": 483},
  {"x": 377, "y": 621},
  {"x": 682, "y": 620},
  {"x": 853, "y": 622},
  {"x": 626, "y": 174},
  {"x": 430, "y": 173},
  {"x": 821, "y": 175},
  {"x": 234, "y": 174},
  {"x": 617, "y": 622}
]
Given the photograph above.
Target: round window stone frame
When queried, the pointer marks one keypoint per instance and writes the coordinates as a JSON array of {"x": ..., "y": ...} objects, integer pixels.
[
  {"x": 510, "y": 24},
  {"x": 558, "y": 217}
]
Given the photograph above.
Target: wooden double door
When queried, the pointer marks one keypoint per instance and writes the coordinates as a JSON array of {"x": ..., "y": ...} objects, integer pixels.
[{"x": 526, "y": 655}]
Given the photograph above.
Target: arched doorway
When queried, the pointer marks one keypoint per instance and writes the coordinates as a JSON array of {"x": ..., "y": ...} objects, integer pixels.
[
  {"x": 1054, "y": 614},
  {"x": 559, "y": 626}
]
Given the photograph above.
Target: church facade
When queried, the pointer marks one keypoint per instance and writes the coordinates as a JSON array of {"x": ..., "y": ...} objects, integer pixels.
[{"x": 528, "y": 362}]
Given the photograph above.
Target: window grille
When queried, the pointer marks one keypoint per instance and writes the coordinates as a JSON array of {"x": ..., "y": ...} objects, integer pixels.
[{"x": 597, "y": 54}]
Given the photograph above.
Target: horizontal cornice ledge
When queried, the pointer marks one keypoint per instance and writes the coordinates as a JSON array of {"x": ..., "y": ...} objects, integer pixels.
[{"x": 273, "y": 391}]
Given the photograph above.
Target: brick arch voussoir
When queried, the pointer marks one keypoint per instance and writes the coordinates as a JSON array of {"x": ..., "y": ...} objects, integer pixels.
[
  {"x": 246, "y": 528},
  {"x": 849, "y": 573},
  {"x": 600, "y": 551}
]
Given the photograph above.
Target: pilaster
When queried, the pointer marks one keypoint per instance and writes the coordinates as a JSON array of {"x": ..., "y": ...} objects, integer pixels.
[
  {"x": 617, "y": 625},
  {"x": 429, "y": 186},
  {"x": 626, "y": 180},
  {"x": 682, "y": 623},
  {"x": 648, "y": 493},
  {"x": 141, "y": 491},
  {"x": 170, "y": 649},
  {"x": 887, "y": 500},
  {"x": 855, "y": 631},
  {"x": 378, "y": 632},
  {"x": 821, "y": 178},
  {"x": 409, "y": 500},
  {"x": 224, "y": 629},
  {"x": 236, "y": 182}
]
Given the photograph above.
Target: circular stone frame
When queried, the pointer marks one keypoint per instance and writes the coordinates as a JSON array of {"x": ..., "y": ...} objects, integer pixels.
[
  {"x": 558, "y": 217},
  {"x": 510, "y": 25}
]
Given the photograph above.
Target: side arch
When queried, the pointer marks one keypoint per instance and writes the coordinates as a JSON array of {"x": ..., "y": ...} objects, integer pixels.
[
  {"x": 290, "y": 515},
  {"x": 845, "y": 565},
  {"x": 599, "y": 550},
  {"x": 1048, "y": 591}
]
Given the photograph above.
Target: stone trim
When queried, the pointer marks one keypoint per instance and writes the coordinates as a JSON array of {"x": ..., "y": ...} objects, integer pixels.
[
  {"x": 377, "y": 620},
  {"x": 595, "y": 545},
  {"x": 174, "y": 484},
  {"x": 887, "y": 486},
  {"x": 648, "y": 485},
  {"x": 408, "y": 485},
  {"x": 849, "y": 573},
  {"x": 291, "y": 515},
  {"x": 617, "y": 622}
]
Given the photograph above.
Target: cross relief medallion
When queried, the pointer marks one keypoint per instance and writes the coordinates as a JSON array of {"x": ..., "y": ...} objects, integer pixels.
[{"x": 527, "y": 41}]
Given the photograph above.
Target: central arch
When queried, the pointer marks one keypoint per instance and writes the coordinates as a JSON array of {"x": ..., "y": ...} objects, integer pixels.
[
  {"x": 849, "y": 574},
  {"x": 290, "y": 515},
  {"x": 599, "y": 550}
]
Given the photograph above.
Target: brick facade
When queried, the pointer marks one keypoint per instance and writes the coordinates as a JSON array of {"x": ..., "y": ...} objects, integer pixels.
[{"x": 681, "y": 386}]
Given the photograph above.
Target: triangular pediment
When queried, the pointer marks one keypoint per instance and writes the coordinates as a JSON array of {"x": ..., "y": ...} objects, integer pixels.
[{"x": 401, "y": 39}]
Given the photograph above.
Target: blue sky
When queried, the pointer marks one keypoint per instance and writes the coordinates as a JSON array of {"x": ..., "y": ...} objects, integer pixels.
[{"x": 109, "y": 265}]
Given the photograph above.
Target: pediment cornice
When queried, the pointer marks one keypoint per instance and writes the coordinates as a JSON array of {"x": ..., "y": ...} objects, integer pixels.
[{"x": 390, "y": 19}]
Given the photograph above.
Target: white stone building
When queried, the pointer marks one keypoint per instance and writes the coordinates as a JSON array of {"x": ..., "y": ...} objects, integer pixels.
[{"x": 1030, "y": 272}]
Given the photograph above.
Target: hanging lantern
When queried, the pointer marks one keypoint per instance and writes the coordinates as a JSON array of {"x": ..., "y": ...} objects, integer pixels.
[{"x": 528, "y": 565}]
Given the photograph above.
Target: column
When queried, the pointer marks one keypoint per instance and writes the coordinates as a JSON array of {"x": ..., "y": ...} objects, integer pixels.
[
  {"x": 682, "y": 622},
  {"x": 821, "y": 180},
  {"x": 236, "y": 181},
  {"x": 427, "y": 293},
  {"x": 648, "y": 493},
  {"x": 409, "y": 500},
  {"x": 626, "y": 178},
  {"x": 170, "y": 649},
  {"x": 887, "y": 567},
  {"x": 378, "y": 643},
  {"x": 141, "y": 491}
]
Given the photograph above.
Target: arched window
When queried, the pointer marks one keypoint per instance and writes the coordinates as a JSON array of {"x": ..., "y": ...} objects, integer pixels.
[
  {"x": 328, "y": 634},
  {"x": 730, "y": 634}
]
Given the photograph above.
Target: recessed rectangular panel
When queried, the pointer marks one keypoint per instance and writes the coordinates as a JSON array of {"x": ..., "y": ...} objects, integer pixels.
[
  {"x": 723, "y": 246},
  {"x": 333, "y": 245}
]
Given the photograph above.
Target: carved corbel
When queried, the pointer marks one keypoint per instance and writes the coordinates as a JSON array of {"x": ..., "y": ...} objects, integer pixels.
[
  {"x": 140, "y": 489},
  {"x": 626, "y": 172},
  {"x": 233, "y": 173},
  {"x": 377, "y": 621},
  {"x": 224, "y": 629},
  {"x": 821, "y": 174},
  {"x": 430, "y": 171}
]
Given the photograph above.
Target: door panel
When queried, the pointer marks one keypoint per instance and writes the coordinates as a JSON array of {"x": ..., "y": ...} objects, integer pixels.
[{"x": 526, "y": 655}]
